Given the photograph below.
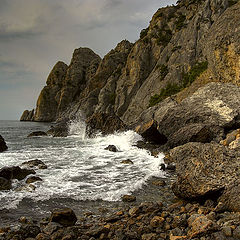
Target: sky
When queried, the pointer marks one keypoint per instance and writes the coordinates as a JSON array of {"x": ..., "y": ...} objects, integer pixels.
[{"x": 35, "y": 34}]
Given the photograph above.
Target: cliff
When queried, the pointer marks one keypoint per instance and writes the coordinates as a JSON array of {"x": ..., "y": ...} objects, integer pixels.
[{"x": 185, "y": 47}]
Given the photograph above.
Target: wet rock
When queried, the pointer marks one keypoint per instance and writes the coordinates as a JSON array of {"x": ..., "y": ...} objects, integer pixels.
[
  {"x": 5, "y": 184},
  {"x": 3, "y": 146},
  {"x": 128, "y": 161},
  {"x": 104, "y": 123},
  {"x": 160, "y": 183},
  {"x": 128, "y": 198},
  {"x": 111, "y": 148},
  {"x": 149, "y": 131},
  {"x": 51, "y": 228},
  {"x": 33, "y": 179},
  {"x": 65, "y": 217},
  {"x": 37, "y": 134},
  {"x": 59, "y": 130},
  {"x": 15, "y": 172},
  {"x": 35, "y": 163},
  {"x": 171, "y": 167}
]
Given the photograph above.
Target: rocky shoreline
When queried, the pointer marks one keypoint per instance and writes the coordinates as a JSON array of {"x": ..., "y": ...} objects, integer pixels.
[{"x": 178, "y": 87}]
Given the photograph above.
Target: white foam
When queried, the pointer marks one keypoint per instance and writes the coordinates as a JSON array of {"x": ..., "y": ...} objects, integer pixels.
[{"x": 80, "y": 168}]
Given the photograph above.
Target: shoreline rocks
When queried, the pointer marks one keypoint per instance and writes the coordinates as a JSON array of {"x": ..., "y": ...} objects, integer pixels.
[
  {"x": 37, "y": 134},
  {"x": 3, "y": 145}
]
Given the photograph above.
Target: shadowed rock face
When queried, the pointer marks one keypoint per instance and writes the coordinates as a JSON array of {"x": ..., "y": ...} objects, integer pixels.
[
  {"x": 104, "y": 123},
  {"x": 3, "y": 145}
]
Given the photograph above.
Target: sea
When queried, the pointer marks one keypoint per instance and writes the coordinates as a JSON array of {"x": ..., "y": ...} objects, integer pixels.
[{"x": 80, "y": 172}]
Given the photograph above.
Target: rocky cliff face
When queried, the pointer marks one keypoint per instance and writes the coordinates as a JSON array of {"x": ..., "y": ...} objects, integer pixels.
[{"x": 184, "y": 47}]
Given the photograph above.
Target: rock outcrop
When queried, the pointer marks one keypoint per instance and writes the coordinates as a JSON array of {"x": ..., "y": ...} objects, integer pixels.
[
  {"x": 104, "y": 123},
  {"x": 27, "y": 115},
  {"x": 205, "y": 116},
  {"x": 3, "y": 146},
  {"x": 185, "y": 47}
]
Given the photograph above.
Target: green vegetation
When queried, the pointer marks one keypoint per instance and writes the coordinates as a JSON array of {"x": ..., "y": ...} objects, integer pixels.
[
  {"x": 169, "y": 90},
  {"x": 163, "y": 71},
  {"x": 164, "y": 37},
  {"x": 143, "y": 33},
  {"x": 173, "y": 88},
  {"x": 180, "y": 22},
  {"x": 196, "y": 70}
]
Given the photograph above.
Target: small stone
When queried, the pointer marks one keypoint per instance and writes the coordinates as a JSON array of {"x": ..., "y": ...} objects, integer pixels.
[
  {"x": 128, "y": 161},
  {"x": 120, "y": 213},
  {"x": 236, "y": 233},
  {"x": 149, "y": 236},
  {"x": 33, "y": 179},
  {"x": 134, "y": 211},
  {"x": 111, "y": 148},
  {"x": 157, "y": 221},
  {"x": 178, "y": 237},
  {"x": 42, "y": 236},
  {"x": 42, "y": 166},
  {"x": 227, "y": 230},
  {"x": 68, "y": 237},
  {"x": 128, "y": 198},
  {"x": 200, "y": 224},
  {"x": 65, "y": 217},
  {"x": 23, "y": 220},
  {"x": 51, "y": 228}
]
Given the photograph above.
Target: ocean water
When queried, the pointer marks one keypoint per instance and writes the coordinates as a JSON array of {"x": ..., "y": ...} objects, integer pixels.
[{"x": 79, "y": 168}]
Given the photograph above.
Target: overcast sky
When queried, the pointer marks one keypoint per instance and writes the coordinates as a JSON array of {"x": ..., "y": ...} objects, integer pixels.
[{"x": 35, "y": 34}]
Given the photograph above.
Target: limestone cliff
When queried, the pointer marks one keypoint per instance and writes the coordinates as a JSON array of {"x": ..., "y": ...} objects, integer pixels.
[{"x": 184, "y": 47}]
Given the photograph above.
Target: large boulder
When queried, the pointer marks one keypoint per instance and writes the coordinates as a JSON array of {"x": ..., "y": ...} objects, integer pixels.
[
  {"x": 205, "y": 171},
  {"x": 149, "y": 131},
  {"x": 3, "y": 145},
  {"x": 104, "y": 123},
  {"x": 202, "y": 117}
]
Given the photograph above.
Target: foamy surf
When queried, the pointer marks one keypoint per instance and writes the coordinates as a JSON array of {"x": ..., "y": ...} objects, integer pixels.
[{"x": 79, "y": 168}]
